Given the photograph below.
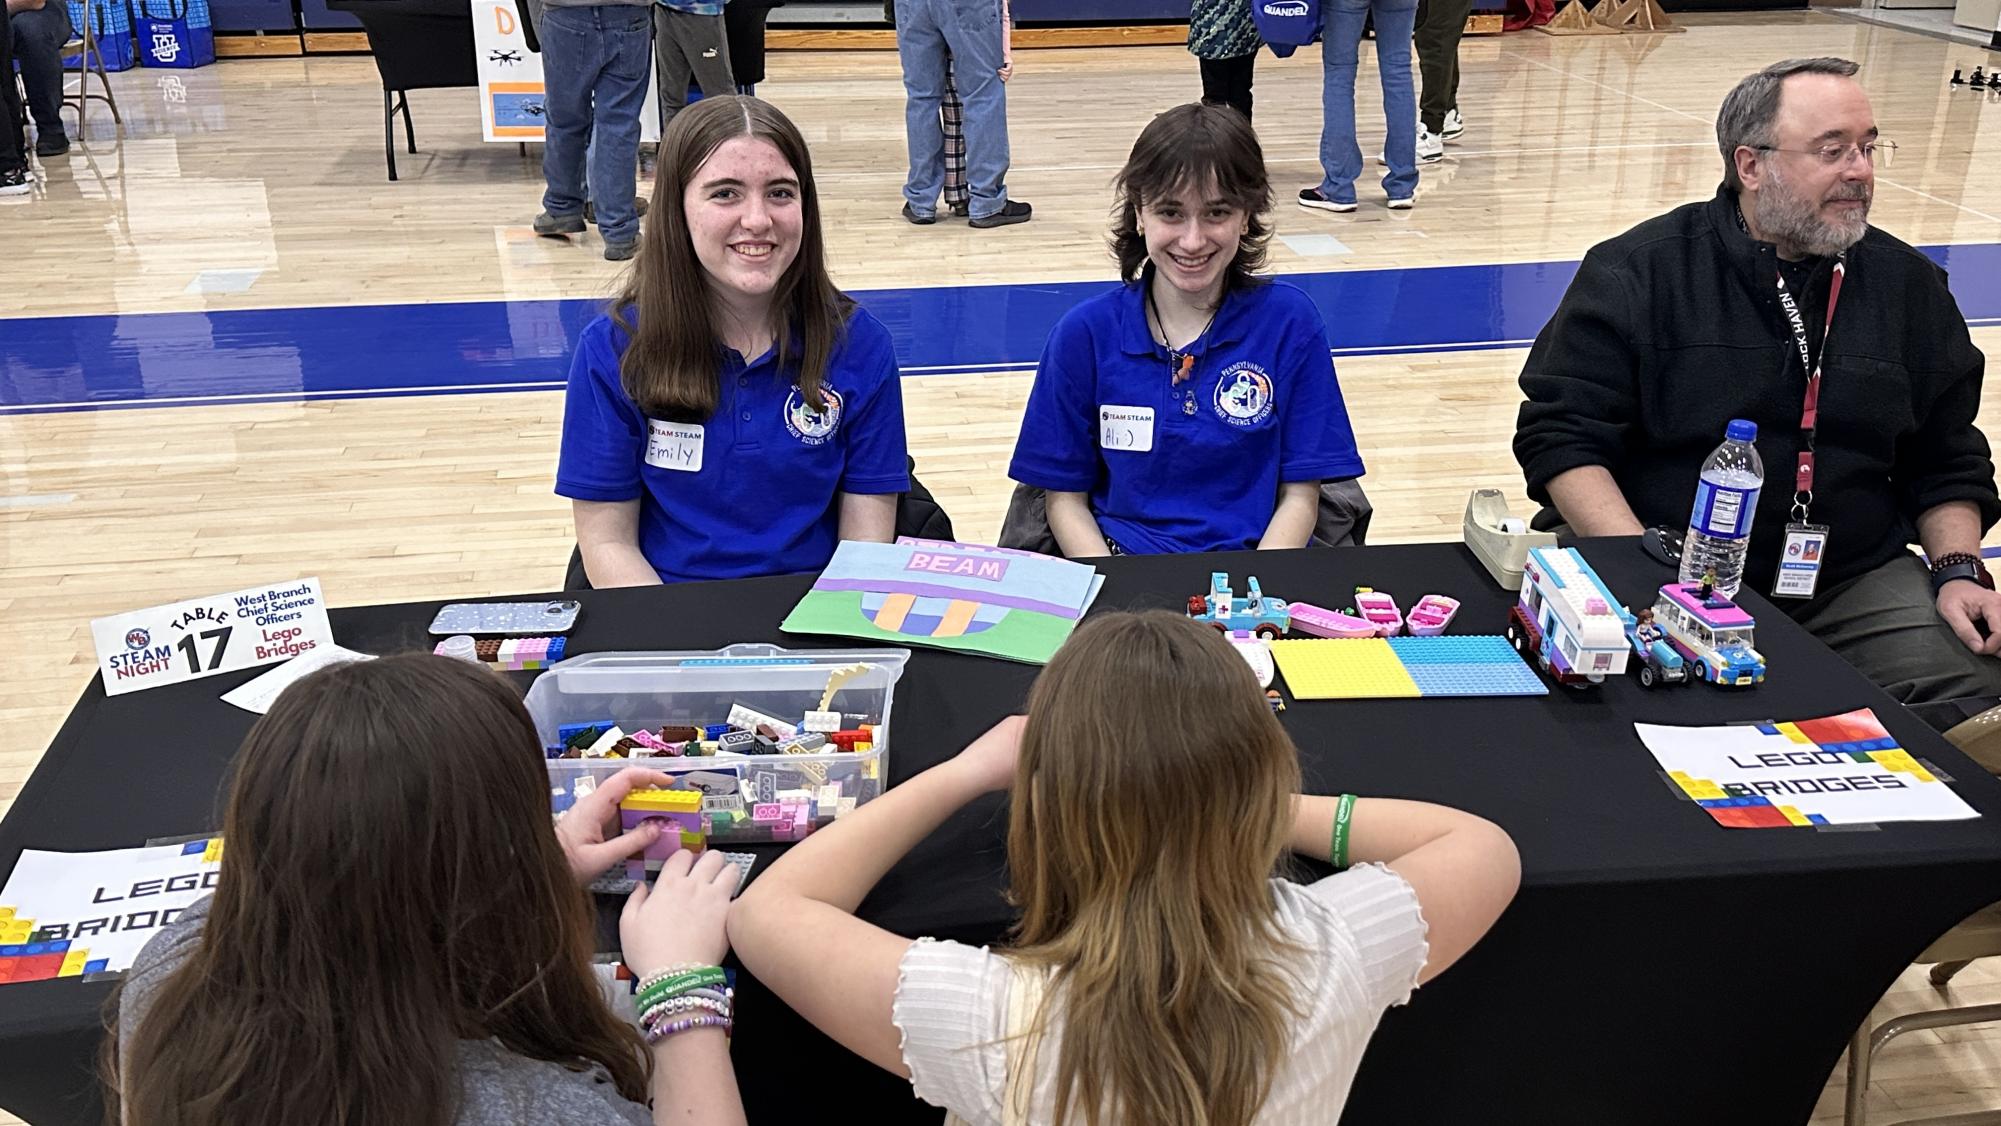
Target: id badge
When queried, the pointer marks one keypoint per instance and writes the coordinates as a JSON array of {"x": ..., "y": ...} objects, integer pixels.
[{"x": 1800, "y": 558}]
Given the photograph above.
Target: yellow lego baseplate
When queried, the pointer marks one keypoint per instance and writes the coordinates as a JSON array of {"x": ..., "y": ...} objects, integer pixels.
[{"x": 1354, "y": 668}]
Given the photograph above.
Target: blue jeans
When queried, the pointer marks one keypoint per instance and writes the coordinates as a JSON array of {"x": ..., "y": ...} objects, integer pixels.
[
  {"x": 1340, "y": 157},
  {"x": 968, "y": 32},
  {"x": 38, "y": 46},
  {"x": 595, "y": 63}
]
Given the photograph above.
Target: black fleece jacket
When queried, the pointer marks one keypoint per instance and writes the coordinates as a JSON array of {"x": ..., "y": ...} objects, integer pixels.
[{"x": 1674, "y": 328}]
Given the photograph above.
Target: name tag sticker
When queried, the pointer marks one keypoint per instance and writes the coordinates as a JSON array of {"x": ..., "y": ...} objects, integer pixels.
[
  {"x": 1799, "y": 561},
  {"x": 674, "y": 445},
  {"x": 1125, "y": 428}
]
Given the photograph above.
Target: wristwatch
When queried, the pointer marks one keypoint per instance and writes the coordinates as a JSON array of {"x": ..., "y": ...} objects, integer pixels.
[{"x": 1959, "y": 565}]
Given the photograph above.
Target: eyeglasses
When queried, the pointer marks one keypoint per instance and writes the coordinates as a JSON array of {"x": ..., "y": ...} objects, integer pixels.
[{"x": 1831, "y": 156}]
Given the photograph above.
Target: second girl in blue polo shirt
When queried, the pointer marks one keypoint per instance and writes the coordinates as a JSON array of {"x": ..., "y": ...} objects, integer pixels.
[
  {"x": 738, "y": 415},
  {"x": 1195, "y": 407}
]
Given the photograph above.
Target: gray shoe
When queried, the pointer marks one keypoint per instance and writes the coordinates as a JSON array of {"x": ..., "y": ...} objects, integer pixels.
[
  {"x": 1014, "y": 211},
  {"x": 620, "y": 251},
  {"x": 556, "y": 226}
]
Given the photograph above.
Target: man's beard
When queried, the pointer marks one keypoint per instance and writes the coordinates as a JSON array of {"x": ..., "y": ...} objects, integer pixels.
[{"x": 1786, "y": 219}]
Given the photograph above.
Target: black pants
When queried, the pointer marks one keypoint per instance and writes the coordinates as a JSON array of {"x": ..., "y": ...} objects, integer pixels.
[
  {"x": 1227, "y": 82},
  {"x": 1440, "y": 23},
  {"x": 12, "y": 143}
]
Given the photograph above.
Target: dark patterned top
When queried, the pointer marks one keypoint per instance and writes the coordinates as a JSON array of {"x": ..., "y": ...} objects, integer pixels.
[{"x": 1221, "y": 29}]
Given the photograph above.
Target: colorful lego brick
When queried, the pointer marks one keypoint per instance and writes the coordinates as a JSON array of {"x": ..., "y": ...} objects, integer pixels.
[
  {"x": 766, "y": 813},
  {"x": 737, "y": 742},
  {"x": 680, "y": 734},
  {"x": 581, "y": 735},
  {"x": 805, "y": 744},
  {"x": 663, "y": 801},
  {"x": 822, "y": 722},
  {"x": 846, "y": 740},
  {"x": 97, "y": 966},
  {"x": 845, "y": 807},
  {"x": 828, "y": 797},
  {"x": 716, "y": 730},
  {"x": 681, "y": 810},
  {"x": 747, "y": 718}
]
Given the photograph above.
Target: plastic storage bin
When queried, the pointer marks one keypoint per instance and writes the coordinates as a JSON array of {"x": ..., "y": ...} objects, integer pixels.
[{"x": 699, "y": 687}]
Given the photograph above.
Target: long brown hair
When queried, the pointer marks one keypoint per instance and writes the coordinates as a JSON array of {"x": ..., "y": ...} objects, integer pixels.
[
  {"x": 1151, "y": 806},
  {"x": 392, "y": 886},
  {"x": 1188, "y": 146},
  {"x": 673, "y": 363}
]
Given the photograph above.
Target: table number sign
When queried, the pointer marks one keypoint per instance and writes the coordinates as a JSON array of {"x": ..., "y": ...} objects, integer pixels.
[{"x": 204, "y": 636}]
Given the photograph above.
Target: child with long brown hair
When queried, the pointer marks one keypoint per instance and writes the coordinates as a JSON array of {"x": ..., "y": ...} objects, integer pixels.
[
  {"x": 398, "y": 937},
  {"x": 735, "y": 414},
  {"x": 1154, "y": 799}
]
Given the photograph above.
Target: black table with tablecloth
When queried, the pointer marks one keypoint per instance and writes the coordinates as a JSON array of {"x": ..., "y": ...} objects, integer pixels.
[{"x": 1656, "y": 967}]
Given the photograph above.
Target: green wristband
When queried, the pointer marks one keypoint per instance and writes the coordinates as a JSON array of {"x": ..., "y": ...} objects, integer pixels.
[
  {"x": 1344, "y": 815},
  {"x": 680, "y": 983}
]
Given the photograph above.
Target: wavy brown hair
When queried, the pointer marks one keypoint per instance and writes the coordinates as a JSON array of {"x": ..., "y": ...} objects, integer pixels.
[
  {"x": 392, "y": 887},
  {"x": 1191, "y": 146},
  {"x": 1151, "y": 807},
  {"x": 674, "y": 360}
]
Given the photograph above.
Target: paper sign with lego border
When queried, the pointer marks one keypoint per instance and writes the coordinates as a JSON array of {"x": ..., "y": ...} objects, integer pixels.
[
  {"x": 71, "y": 914},
  {"x": 1837, "y": 770},
  {"x": 200, "y": 637}
]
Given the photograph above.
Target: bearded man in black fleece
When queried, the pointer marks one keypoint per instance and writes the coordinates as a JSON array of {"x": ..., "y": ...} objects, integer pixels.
[{"x": 1681, "y": 324}]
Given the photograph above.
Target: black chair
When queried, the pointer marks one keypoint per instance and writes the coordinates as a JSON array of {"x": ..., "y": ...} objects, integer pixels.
[
  {"x": 918, "y": 514},
  {"x": 418, "y": 45}
]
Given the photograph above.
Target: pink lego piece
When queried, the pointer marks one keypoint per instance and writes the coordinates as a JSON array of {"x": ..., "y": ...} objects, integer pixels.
[
  {"x": 1381, "y": 609},
  {"x": 1322, "y": 622},
  {"x": 1432, "y": 614}
]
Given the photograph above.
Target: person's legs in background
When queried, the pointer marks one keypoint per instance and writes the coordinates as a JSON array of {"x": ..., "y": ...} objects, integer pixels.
[
  {"x": 708, "y": 47},
  {"x": 1227, "y": 82},
  {"x": 1395, "y": 21},
  {"x": 972, "y": 32},
  {"x": 1885, "y": 622},
  {"x": 570, "y": 49},
  {"x": 952, "y": 121},
  {"x": 689, "y": 45},
  {"x": 13, "y": 158},
  {"x": 672, "y": 64},
  {"x": 618, "y": 96},
  {"x": 920, "y": 47},
  {"x": 39, "y": 36},
  {"x": 1440, "y": 24},
  {"x": 1340, "y": 156}
]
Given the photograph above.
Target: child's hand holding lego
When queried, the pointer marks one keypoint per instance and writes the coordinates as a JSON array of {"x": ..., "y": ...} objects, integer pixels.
[
  {"x": 581, "y": 829},
  {"x": 679, "y": 920}
]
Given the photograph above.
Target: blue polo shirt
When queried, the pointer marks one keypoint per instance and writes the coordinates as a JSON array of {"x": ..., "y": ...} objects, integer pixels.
[
  {"x": 1194, "y": 467},
  {"x": 752, "y": 490}
]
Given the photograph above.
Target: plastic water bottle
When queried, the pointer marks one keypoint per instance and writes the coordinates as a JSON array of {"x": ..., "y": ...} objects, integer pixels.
[{"x": 1726, "y": 500}]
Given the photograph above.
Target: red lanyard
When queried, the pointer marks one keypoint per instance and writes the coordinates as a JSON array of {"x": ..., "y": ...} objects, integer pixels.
[{"x": 1810, "y": 408}]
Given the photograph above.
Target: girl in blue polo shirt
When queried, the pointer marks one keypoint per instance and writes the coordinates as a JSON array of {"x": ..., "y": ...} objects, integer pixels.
[
  {"x": 735, "y": 414},
  {"x": 1195, "y": 407}
]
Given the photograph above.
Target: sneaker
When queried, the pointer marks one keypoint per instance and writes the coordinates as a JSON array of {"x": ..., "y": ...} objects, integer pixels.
[
  {"x": 556, "y": 226},
  {"x": 51, "y": 144},
  {"x": 962, "y": 209},
  {"x": 1014, "y": 211},
  {"x": 14, "y": 181},
  {"x": 911, "y": 214},
  {"x": 591, "y": 211},
  {"x": 620, "y": 251},
  {"x": 1430, "y": 146},
  {"x": 1311, "y": 198},
  {"x": 1454, "y": 125},
  {"x": 1404, "y": 204}
]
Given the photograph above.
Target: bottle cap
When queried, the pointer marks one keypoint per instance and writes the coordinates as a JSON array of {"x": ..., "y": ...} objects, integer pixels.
[{"x": 1742, "y": 430}]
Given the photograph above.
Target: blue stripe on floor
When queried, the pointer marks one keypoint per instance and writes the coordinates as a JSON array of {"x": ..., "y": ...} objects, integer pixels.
[{"x": 361, "y": 351}]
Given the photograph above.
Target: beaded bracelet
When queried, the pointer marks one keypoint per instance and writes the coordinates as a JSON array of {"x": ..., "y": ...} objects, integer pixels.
[
  {"x": 1344, "y": 813},
  {"x": 720, "y": 1004},
  {"x": 679, "y": 1007},
  {"x": 661, "y": 1032},
  {"x": 665, "y": 972}
]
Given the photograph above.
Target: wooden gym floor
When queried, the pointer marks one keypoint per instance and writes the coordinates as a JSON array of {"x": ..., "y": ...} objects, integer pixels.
[{"x": 258, "y": 185}]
